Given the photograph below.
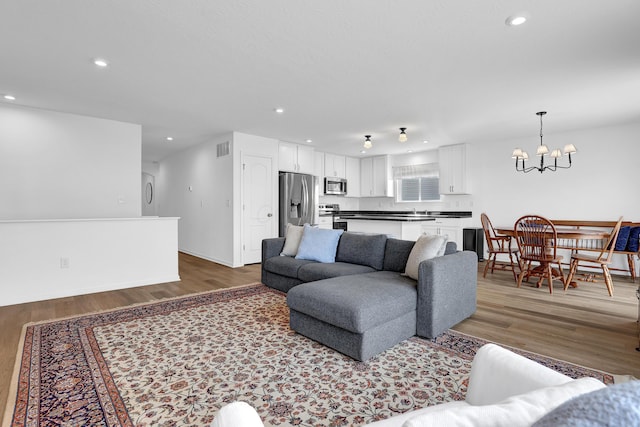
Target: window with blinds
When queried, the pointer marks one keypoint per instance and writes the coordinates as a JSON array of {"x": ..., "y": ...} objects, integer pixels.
[{"x": 417, "y": 183}]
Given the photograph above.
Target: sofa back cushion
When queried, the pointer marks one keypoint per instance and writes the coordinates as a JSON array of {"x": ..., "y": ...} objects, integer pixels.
[
  {"x": 396, "y": 254},
  {"x": 363, "y": 249}
]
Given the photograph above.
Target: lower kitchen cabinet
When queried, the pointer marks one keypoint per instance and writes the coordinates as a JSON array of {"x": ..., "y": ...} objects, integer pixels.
[
  {"x": 405, "y": 230},
  {"x": 450, "y": 227},
  {"x": 325, "y": 222}
]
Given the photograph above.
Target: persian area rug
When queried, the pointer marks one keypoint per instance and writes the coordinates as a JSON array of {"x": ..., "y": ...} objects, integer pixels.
[{"x": 176, "y": 362}]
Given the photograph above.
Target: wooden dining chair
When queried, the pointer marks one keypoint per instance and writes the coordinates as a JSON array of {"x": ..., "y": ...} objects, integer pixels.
[
  {"x": 498, "y": 244},
  {"x": 603, "y": 259},
  {"x": 537, "y": 240}
]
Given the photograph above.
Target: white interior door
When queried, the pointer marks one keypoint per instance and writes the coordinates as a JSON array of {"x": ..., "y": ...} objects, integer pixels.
[{"x": 258, "y": 206}]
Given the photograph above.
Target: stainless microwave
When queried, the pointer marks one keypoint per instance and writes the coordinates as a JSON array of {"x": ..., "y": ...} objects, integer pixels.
[{"x": 335, "y": 186}]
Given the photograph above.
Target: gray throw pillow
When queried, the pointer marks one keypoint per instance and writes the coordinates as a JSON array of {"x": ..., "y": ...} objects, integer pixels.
[{"x": 616, "y": 405}]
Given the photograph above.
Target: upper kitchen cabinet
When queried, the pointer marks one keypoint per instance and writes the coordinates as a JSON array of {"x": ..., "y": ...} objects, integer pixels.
[
  {"x": 453, "y": 169},
  {"x": 334, "y": 165},
  {"x": 375, "y": 177},
  {"x": 318, "y": 165},
  {"x": 352, "y": 166},
  {"x": 296, "y": 158}
]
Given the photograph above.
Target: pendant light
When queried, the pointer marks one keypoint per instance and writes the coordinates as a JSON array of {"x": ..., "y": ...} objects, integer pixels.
[
  {"x": 403, "y": 135},
  {"x": 522, "y": 156},
  {"x": 367, "y": 141}
]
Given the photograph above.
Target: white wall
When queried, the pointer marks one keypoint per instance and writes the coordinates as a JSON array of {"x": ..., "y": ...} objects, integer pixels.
[
  {"x": 58, "y": 165},
  {"x": 58, "y": 258},
  {"x": 599, "y": 186},
  {"x": 210, "y": 225},
  {"x": 195, "y": 185}
]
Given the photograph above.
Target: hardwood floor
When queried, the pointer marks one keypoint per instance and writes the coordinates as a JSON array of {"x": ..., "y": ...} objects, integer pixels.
[{"x": 584, "y": 325}]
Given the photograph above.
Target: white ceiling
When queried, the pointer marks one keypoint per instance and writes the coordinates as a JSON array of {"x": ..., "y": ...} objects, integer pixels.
[{"x": 449, "y": 71}]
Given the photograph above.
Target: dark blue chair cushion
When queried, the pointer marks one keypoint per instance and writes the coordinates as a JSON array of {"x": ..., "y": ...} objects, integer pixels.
[
  {"x": 634, "y": 240},
  {"x": 623, "y": 237}
]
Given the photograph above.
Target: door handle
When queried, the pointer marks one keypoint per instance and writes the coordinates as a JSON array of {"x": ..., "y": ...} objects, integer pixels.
[{"x": 269, "y": 215}]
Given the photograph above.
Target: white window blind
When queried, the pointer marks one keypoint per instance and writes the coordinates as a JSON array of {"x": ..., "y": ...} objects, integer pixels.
[{"x": 417, "y": 183}]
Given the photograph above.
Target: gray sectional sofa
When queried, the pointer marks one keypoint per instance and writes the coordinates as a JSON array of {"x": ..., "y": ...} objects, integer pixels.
[{"x": 361, "y": 304}]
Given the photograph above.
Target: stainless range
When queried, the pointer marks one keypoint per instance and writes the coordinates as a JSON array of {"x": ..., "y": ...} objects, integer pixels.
[{"x": 333, "y": 210}]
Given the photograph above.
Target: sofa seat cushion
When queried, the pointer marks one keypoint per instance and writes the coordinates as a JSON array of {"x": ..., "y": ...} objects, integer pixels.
[
  {"x": 363, "y": 249},
  {"x": 318, "y": 271},
  {"x": 356, "y": 303},
  {"x": 286, "y": 266}
]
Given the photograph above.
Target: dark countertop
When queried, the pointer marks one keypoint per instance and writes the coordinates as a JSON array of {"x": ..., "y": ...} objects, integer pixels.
[
  {"x": 403, "y": 218},
  {"x": 402, "y": 215}
]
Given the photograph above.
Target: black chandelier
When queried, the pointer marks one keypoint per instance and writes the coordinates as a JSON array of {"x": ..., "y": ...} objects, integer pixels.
[{"x": 522, "y": 156}]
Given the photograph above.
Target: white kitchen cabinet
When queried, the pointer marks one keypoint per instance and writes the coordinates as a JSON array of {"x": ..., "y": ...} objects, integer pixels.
[
  {"x": 352, "y": 172},
  {"x": 405, "y": 230},
  {"x": 375, "y": 177},
  {"x": 450, "y": 227},
  {"x": 296, "y": 158},
  {"x": 325, "y": 222},
  {"x": 453, "y": 169},
  {"x": 334, "y": 165},
  {"x": 318, "y": 166}
]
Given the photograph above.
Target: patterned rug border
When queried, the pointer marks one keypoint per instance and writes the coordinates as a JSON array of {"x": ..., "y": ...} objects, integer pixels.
[
  {"x": 193, "y": 300},
  {"x": 17, "y": 366}
]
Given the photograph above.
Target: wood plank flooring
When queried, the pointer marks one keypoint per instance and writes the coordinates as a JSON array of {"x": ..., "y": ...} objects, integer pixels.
[{"x": 584, "y": 325}]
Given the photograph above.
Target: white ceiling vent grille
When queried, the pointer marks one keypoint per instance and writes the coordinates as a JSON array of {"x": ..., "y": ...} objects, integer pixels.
[{"x": 222, "y": 149}]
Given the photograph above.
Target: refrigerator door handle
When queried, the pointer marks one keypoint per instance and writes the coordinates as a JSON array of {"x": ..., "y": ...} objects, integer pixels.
[{"x": 305, "y": 201}]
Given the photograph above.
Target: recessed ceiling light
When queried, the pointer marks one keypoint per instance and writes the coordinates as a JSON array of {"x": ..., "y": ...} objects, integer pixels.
[
  {"x": 425, "y": 142},
  {"x": 10, "y": 97},
  {"x": 169, "y": 138},
  {"x": 409, "y": 151},
  {"x": 279, "y": 110},
  {"x": 514, "y": 21},
  {"x": 309, "y": 141},
  {"x": 362, "y": 151},
  {"x": 100, "y": 62}
]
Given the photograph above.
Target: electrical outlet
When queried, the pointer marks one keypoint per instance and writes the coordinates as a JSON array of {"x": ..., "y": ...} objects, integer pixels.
[{"x": 64, "y": 262}]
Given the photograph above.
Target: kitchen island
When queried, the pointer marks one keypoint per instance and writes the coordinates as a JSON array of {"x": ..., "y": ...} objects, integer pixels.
[{"x": 408, "y": 225}]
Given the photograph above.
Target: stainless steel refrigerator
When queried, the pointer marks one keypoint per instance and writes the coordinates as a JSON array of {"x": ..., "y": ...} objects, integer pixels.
[{"x": 298, "y": 200}]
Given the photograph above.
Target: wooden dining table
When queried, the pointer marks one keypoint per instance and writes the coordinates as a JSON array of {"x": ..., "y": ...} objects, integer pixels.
[{"x": 566, "y": 233}]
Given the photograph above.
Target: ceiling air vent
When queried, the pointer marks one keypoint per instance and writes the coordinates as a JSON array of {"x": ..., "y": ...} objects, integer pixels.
[{"x": 223, "y": 149}]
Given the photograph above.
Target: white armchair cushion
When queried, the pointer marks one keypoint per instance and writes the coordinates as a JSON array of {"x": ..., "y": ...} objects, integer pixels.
[
  {"x": 497, "y": 373},
  {"x": 237, "y": 414},
  {"x": 521, "y": 410}
]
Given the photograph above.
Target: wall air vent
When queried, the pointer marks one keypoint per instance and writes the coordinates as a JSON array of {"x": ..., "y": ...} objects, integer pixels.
[{"x": 222, "y": 149}]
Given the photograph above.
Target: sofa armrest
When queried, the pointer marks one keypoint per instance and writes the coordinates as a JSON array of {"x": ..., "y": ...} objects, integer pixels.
[
  {"x": 446, "y": 292},
  {"x": 272, "y": 247},
  {"x": 497, "y": 373}
]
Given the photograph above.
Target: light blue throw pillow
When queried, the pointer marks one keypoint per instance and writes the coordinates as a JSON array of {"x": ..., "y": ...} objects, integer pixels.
[{"x": 318, "y": 244}]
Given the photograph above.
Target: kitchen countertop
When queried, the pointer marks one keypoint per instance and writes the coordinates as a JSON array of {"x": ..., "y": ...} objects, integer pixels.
[{"x": 408, "y": 216}]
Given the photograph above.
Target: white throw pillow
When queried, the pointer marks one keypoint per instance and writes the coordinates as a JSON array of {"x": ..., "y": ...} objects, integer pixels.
[
  {"x": 237, "y": 414},
  {"x": 520, "y": 410},
  {"x": 292, "y": 238},
  {"x": 426, "y": 247}
]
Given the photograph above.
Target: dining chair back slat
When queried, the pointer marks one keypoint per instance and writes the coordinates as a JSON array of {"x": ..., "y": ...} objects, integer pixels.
[{"x": 537, "y": 240}]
